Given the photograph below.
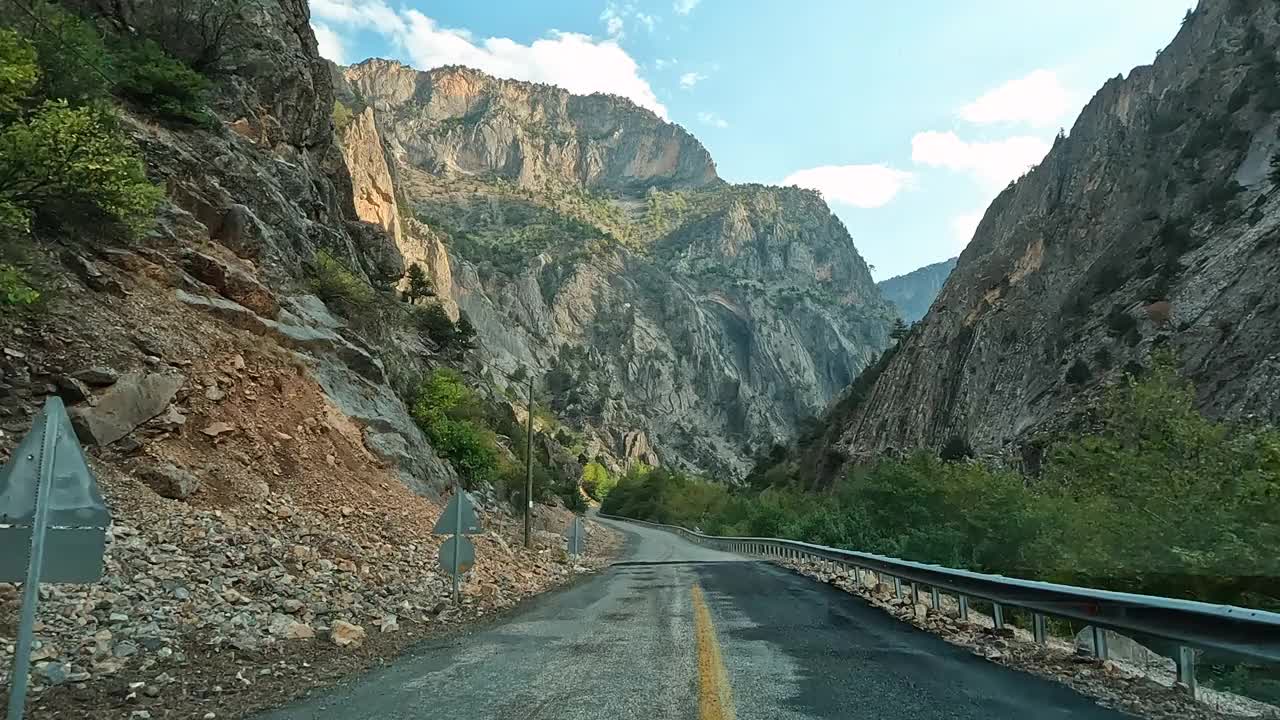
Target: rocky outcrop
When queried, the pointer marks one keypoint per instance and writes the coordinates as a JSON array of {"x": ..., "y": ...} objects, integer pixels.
[
  {"x": 1153, "y": 224},
  {"x": 532, "y": 135},
  {"x": 914, "y": 292},
  {"x": 592, "y": 243}
]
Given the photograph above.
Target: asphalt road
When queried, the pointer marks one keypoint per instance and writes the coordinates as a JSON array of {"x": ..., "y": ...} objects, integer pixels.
[{"x": 683, "y": 632}]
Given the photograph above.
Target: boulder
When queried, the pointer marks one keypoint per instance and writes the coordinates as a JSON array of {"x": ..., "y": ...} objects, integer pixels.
[
  {"x": 96, "y": 376},
  {"x": 283, "y": 626},
  {"x": 134, "y": 399},
  {"x": 169, "y": 480},
  {"x": 72, "y": 390},
  {"x": 345, "y": 634},
  {"x": 232, "y": 283}
]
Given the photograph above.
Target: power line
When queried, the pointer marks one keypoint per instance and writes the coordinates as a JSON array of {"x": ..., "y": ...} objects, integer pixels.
[{"x": 31, "y": 14}]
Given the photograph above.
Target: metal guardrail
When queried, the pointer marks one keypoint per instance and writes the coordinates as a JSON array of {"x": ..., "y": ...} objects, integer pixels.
[{"x": 1228, "y": 630}]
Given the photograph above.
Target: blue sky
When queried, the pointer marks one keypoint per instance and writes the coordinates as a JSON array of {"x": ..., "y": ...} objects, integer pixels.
[{"x": 909, "y": 116}]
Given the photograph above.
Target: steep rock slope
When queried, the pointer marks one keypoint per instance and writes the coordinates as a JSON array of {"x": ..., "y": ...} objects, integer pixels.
[
  {"x": 676, "y": 319},
  {"x": 913, "y": 292},
  {"x": 1154, "y": 223}
]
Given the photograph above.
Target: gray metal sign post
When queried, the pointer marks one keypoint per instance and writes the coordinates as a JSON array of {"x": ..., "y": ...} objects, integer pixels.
[
  {"x": 49, "y": 501},
  {"x": 457, "y": 554}
]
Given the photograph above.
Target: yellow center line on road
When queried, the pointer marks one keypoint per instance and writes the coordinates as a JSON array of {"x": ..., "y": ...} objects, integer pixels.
[{"x": 715, "y": 700}]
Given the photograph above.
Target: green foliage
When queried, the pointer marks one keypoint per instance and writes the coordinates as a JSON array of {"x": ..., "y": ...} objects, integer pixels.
[
  {"x": 161, "y": 84},
  {"x": 900, "y": 329},
  {"x": 18, "y": 71},
  {"x": 955, "y": 449},
  {"x": 335, "y": 283},
  {"x": 596, "y": 480},
  {"x": 433, "y": 321},
  {"x": 419, "y": 284},
  {"x": 15, "y": 289},
  {"x": 64, "y": 156},
  {"x": 206, "y": 35},
  {"x": 1158, "y": 500},
  {"x": 1120, "y": 324},
  {"x": 1079, "y": 372},
  {"x": 70, "y": 53},
  {"x": 342, "y": 116},
  {"x": 444, "y": 410}
]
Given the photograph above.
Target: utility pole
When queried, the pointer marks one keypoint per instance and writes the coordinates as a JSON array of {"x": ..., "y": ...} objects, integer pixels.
[{"x": 528, "y": 472}]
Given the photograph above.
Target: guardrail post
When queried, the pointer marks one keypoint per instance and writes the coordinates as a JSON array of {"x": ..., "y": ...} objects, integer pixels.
[
  {"x": 1038, "y": 628},
  {"x": 963, "y": 601},
  {"x": 997, "y": 615},
  {"x": 1187, "y": 670},
  {"x": 937, "y": 600},
  {"x": 897, "y": 588},
  {"x": 1099, "y": 643},
  {"x": 915, "y": 594}
]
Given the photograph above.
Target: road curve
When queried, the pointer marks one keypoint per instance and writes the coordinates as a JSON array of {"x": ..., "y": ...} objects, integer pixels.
[{"x": 679, "y": 631}]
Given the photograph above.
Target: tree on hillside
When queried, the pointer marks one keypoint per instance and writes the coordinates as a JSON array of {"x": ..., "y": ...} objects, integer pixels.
[
  {"x": 419, "y": 284},
  {"x": 900, "y": 329}
]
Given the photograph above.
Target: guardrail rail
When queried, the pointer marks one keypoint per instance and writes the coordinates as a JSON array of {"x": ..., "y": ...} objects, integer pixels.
[{"x": 1237, "y": 632}]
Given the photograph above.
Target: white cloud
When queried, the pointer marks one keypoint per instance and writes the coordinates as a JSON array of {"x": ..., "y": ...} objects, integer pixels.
[
  {"x": 357, "y": 13},
  {"x": 649, "y": 21},
  {"x": 661, "y": 64},
  {"x": 863, "y": 186},
  {"x": 993, "y": 163},
  {"x": 330, "y": 43},
  {"x": 1038, "y": 99},
  {"x": 964, "y": 225},
  {"x": 684, "y": 7},
  {"x": 612, "y": 20},
  {"x": 689, "y": 79},
  {"x": 575, "y": 62},
  {"x": 712, "y": 119}
]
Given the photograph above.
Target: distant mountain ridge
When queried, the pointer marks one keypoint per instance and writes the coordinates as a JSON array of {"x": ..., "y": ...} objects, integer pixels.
[
  {"x": 679, "y": 319},
  {"x": 912, "y": 293}
]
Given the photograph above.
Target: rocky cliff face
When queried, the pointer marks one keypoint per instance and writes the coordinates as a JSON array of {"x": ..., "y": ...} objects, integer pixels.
[
  {"x": 675, "y": 318},
  {"x": 1155, "y": 223},
  {"x": 914, "y": 292},
  {"x": 455, "y": 121}
]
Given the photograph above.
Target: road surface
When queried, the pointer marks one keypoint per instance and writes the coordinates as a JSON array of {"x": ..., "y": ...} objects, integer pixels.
[{"x": 683, "y": 632}]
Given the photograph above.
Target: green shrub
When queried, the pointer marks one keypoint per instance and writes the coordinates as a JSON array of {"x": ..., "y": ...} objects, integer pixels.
[
  {"x": 63, "y": 156},
  {"x": 15, "y": 289},
  {"x": 419, "y": 284},
  {"x": 444, "y": 410},
  {"x": 18, "y": 71},
  {"x": 71, "y": 56},
  {"x": 596, "y": 480},
  {"x": 334, "y": 283},
  {"x": 342, "y": 117},
  {"x": 1120, "y": 324},
  {"x": 161, "y": 84},
  {"x": 433, "y": 321},
  {"x": 955, "y": 449},
  {"x": 1079, "y": 372}
]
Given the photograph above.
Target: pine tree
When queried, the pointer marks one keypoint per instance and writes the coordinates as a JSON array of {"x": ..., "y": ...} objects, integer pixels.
[
  {"x": 419, "y": 284},
  {"x": 899, "y": 330}
]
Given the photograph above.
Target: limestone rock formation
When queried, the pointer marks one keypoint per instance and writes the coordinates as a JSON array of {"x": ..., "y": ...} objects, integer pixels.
[
  {"x": 1154, "y": 223},
  {"x": 592, "y": 243}
]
